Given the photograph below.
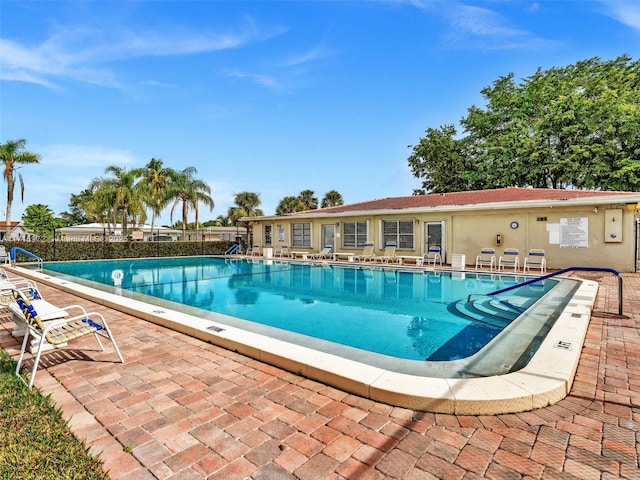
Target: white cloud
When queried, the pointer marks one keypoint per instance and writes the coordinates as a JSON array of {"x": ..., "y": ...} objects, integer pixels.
[
  {"x": 85, "y": 156},
  {"x": 80, "y": 53},
  {"x": 623, "y": 11}
]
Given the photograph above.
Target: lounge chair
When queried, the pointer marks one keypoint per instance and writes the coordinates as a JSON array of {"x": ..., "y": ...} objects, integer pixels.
[
  {"x": 4, "y": 256},
  {"x": 389, "y": 254},
  {"x": 433, "y": 255},
  {"x": 510, "y": 258},
  {"x": 535, "y": 259},
  {"x": 282, "y": 251},
  {"x": 59, "y": 331},
  {"x": 367, "y": 254},
  {"x": 487, "y": 257},
  {"x": 47, "y": 311},
  {"x": 324, "y": 253},
  {"x": 254, "y": 250}
]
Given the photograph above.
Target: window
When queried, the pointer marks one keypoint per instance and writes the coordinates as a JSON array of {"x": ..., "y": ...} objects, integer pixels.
[
  {"x": 398, "y": 231},
  {"x": 301, "y": 234},
  {"x": 268, "y": 235},
  {"x": 354, "y": 234}
]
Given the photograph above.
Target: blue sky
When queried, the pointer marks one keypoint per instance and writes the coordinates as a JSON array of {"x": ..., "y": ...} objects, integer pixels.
[{"x": 273, "y": 97}]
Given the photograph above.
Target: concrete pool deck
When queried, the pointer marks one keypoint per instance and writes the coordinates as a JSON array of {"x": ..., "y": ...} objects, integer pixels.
[{"x": 187, "y": 409}]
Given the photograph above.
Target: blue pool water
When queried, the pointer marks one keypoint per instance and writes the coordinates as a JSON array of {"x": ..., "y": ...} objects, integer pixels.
[{"x": 406, "y": 314}]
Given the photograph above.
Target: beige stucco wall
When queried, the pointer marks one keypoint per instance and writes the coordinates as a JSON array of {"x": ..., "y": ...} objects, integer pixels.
[{"x": 467, "y": 232}]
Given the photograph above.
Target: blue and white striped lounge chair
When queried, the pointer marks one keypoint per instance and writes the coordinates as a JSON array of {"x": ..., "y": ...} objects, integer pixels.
[
  {"x": 535, "y": 259},
  {"x": 59, "y": 331},
  {"x": 487, "y": 257}
]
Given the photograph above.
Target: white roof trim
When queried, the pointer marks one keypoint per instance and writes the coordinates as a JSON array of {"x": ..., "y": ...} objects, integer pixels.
[{"x": 547, "y": 203}]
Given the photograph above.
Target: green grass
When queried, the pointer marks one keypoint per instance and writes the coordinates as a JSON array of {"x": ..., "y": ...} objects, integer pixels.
[{"x": 35, "y": 440}]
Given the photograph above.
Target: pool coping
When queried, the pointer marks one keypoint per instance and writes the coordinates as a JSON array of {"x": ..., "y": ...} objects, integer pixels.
[{"x": 545, "y": 380}]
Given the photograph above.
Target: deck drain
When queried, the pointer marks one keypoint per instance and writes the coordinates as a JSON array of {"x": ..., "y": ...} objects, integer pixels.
[
  {"x": 215, "y": 329},
  {"x": 576, "y": 315},
  {"x": 157, "y": 312},
  {"x": 564, "y": 345}
]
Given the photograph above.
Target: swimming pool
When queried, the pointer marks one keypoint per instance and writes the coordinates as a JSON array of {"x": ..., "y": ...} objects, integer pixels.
[
  {"x": 403, "y": 320},
  {"x": 463, "y": 386}
]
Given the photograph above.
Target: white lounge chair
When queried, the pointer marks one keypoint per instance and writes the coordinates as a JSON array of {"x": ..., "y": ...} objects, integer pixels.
[
  {"x": 389, "y": 254},
  {"x": 59, "y": 331},
  {"x": 433, "y": 255},
  {"x": 282, "y": 251},
  {"x": 487, "y": 257},
  {"x": 367, "y": 253},
  {"x": 324, "y": 253},
  {"x": 535, "y": 259},
  {"x": 510, "y": 258},
  {"x": 254, "y": 250}
]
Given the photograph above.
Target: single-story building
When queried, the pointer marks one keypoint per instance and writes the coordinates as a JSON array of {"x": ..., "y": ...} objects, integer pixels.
[
  {"x": 97, "y": 232},
  {"x": 573, "y": 227},
  {"x": 92, "y": 232}
]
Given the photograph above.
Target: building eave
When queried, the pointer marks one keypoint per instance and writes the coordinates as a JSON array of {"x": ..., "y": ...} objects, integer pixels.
[{"x": 622, "y": 200}]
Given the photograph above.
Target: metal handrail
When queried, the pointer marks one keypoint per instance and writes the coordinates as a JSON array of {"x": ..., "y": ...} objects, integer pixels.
[
  {"x": 565, "y": 270},
  {"x": 14, "y": 250}
]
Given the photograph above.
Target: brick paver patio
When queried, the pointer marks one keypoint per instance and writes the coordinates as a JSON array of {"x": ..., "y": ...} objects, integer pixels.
[{"x": 182, "y": 409}]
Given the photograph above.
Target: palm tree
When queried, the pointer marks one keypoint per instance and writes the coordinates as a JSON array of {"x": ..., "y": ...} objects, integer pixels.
[
  {"x": 246, "y": 206},
  {"x": 332, "y": 198},
  {"x": 12, "y": 154},
  {"x": 290, "y": 204},
  {"x": 156, "y": 182},
  {"x": 308, "y": 200},
  {"x": 120, "y": 197},
  {"x": 190, "y": 192}
]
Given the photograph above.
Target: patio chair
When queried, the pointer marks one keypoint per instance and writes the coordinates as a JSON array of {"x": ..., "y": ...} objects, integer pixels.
[
  {"x": 4, "y": 255},
  {"x": 367, "y": 254},
  {"x": 324, "y": 253},
  {"x": 282, "y": 251},
  {"x": 389, "y": 254},
  {"x": 433, "y": 255},
  {"x": 535, "y": 259},
  {"x": 510, "y": 258},
  {"x": 487, "y": 257},
  {"x": 58, "y": 331},
  {"x": 254, "y": 250}
]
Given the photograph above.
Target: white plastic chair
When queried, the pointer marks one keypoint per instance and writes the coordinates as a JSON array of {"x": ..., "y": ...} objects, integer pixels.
[
  {"x": 433, "y": 255},
  {"x": 487, "y": 257},
  {"x": 510, "y": 258},
  {"x": 535, "y": 259}
]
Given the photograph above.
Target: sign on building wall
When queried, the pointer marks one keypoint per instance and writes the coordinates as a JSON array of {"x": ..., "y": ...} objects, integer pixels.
[{"x": 574, "y": 232}]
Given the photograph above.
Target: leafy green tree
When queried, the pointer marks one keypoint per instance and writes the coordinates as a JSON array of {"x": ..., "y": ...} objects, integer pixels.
[
  {"x": 39, "y": 219},
  {"x": 188, "y": 191},
  {"x": 12, "y": 155},
  {"x": 572, "y": 127},
  {"x": 77, "y": 214},
  {"x": 332, "y": 198},
  {"x": 119, "y": 194},
  {"x": 289, "y": 205},
  {"x": 220, "y": 221}
]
